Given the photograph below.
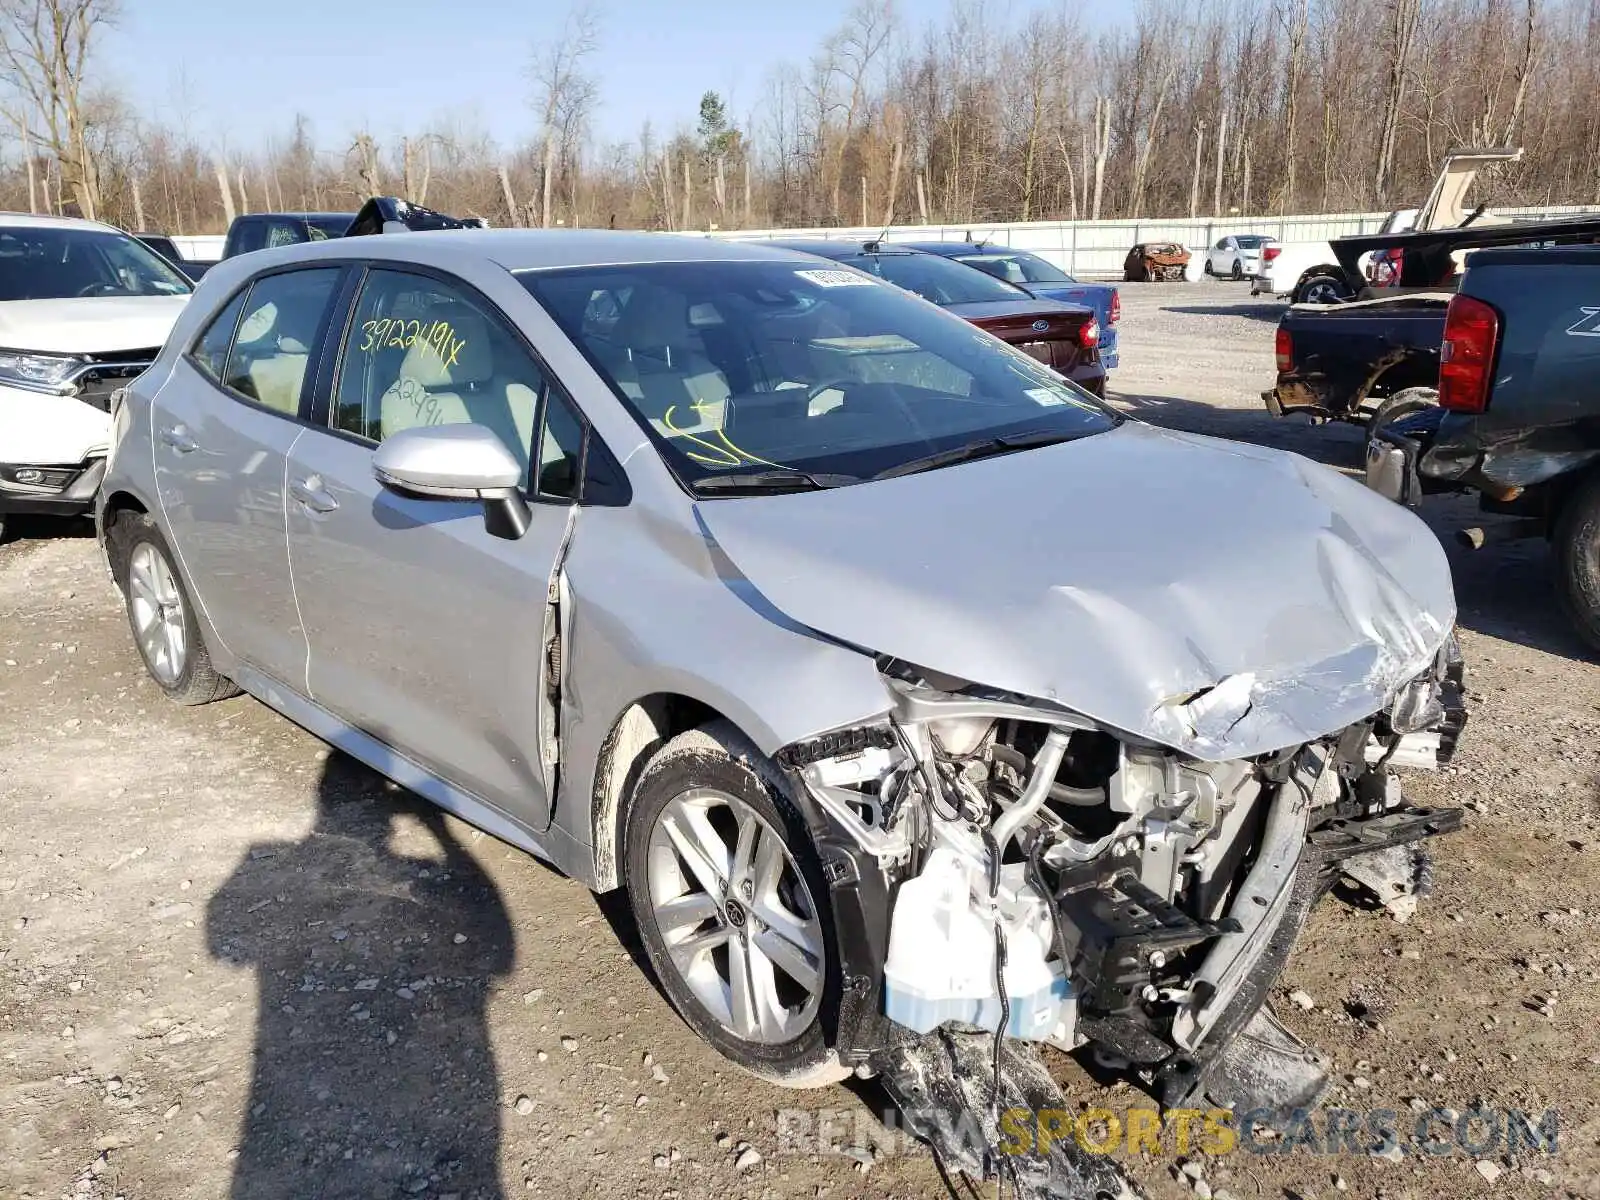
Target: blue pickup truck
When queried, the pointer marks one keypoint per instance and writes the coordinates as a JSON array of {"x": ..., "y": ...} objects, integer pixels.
[
  {"x": 1517, "y": 413},
  {"x": 1042, "y": 279}
]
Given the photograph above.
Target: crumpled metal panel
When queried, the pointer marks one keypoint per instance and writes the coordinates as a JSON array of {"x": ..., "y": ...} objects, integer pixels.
[{"x": 1223, "y": 599}]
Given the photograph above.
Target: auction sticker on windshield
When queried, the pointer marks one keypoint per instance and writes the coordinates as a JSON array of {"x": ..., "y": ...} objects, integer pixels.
[
  {"x": 1044, "y": 396},
  {"x": 837, "y": 278}
]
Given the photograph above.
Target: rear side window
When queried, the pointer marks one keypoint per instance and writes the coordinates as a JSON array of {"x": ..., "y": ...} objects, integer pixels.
[
  {"x": 211, "y": 351},
  {"x": 278, "y": 328}
]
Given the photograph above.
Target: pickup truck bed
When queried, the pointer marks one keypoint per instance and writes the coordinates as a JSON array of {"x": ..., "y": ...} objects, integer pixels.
[{"x": 1334, "y": 358}]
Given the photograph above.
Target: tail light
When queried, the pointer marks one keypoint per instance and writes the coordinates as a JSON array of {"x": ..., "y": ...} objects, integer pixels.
[
  {"x": 1268, "y": 253},
  {"x": 1466, "y": 356},
  {"x": 1115, "y": 315},
  {"x": 1089, "y": 334},
  {"x": 1283, "y": 350}
]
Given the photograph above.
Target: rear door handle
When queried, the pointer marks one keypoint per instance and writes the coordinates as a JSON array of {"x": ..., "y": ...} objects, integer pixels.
[
  {"x": 310, "y": 492},
  {"x": 178, "y": 438}
]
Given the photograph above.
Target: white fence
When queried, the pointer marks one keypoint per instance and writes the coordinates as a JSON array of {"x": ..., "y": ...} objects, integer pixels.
[{"x": 1097, "y": 248}]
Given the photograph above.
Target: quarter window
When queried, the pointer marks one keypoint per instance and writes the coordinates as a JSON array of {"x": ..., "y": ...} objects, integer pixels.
[
  {"x": 560, "y": 450},
  {"x": 272, "y": 347},
  {"x": 211, "y": 351},
  {"x": 423, "y": 352}
]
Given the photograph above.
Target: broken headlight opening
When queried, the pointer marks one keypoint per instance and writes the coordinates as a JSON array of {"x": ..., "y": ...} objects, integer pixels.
[{"x": 1013, "y": 872}]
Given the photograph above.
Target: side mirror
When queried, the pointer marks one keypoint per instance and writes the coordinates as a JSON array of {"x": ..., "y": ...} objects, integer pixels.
[{"x": 457, "y": 462}]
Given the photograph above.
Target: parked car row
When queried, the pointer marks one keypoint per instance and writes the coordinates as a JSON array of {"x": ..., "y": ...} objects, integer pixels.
[{"x": 85, "y": 307}]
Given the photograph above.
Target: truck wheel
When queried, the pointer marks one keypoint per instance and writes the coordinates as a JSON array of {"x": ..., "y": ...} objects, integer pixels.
[
  {"x": 1402, "y": 404},
  {"x": 1320, "y": 289},
  {"x": 1577, "y": 548},
  {"x": 732, "y": 906}
]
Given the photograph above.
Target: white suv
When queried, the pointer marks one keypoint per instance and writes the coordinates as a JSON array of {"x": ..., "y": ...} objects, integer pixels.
[{"x": 83, "y": 309}]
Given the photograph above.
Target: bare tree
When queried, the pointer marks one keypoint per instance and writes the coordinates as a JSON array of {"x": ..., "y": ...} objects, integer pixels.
[
  {"x": 1102, "y": 148},
  {"x": 565, "y": 94},
  {"x": 1401, "y": 33},
  {"x": 45, "y": 46}
]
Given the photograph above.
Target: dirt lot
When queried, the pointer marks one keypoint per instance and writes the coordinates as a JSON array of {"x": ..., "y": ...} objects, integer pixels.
[{"x": 231, "y": 963}]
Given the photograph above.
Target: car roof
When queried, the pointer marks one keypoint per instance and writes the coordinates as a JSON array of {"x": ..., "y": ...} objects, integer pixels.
[
  {"x": 35, "y": 221},
  {"x": 535, "y": 249},
  {"x": 297, "y": 216},
  {"x": 949, "y": 248},
  {"x": 838, "y": 248}
]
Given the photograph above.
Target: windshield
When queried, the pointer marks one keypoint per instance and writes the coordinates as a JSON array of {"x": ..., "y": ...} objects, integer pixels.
[
  {"x": 45, "y": 263},
  {"x": 1017, "y": 266},
  {"x": 736, "y": 367},
  {"x": 1251, "y": 241},
  {"x": 941, "y": 280}
]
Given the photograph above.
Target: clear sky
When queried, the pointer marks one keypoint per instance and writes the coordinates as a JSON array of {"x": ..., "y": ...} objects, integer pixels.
[{"x": 247, "y": 66}]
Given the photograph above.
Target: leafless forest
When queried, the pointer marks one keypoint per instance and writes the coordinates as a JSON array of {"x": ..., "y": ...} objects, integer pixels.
[{"x": 1211, "y": 106}]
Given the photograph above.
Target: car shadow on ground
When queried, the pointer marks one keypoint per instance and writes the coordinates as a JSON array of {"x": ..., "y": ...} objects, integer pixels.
[
  {"x": 24, "y": 527},
  {"x": 1267, "y": 310},
  {"x": 1507, "y": 590},
  {"x": 1333, "y": 443},
  {"x": 374, "y": 1072}
]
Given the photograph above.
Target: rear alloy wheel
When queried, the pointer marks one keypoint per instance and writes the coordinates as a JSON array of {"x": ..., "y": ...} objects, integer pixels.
[
  {"x": 160, "y": 614},
  {"x": 731, "y": 906},
  {"x": 1207, "y": 267}
]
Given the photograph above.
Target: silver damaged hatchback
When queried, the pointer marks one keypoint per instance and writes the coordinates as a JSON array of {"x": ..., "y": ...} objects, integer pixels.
[{"x": 912, "y": 694}]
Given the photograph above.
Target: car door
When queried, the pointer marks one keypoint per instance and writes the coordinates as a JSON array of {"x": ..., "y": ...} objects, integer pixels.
[
  {"x": 426, "y": 631},
  {"x": 222, "y": 428}
]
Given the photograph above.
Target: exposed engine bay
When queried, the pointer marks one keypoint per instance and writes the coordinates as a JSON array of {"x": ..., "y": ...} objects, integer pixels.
[{"x": 1002, "y": 866}]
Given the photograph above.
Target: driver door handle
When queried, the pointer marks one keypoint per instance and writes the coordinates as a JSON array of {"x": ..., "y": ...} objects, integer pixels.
[
  {"x": 178, "y": 438},
  {"x": 310, "y": 492}
]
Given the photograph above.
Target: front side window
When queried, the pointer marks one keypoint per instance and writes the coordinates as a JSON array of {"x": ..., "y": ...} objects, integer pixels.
[
  {"x": 65, "y": 263},
  {"x": 739, "y": 367},
  {"x": 421, "y": 351},
  {"x": 272, "y": 349}
]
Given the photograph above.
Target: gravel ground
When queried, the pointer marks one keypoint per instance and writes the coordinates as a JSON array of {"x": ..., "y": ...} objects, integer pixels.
[{"x": 232, "y": 963}]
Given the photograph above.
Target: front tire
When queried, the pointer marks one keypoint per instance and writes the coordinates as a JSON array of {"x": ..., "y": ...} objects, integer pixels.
[
  {"x": 1577, "y": 550},
  {"x": 161, "y": 614},
  {"x": 732, "y": 908},
  {"x": 1238, "y": 270}
]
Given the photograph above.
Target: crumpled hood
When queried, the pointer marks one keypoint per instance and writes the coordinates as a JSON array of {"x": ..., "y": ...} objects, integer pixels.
[
  {"x": 1223, "y": 599},
  {"x": 93, "y": 325}
]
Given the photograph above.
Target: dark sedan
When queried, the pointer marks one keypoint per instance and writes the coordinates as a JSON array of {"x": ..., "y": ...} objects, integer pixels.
[
  {"x": 1041, "y": 278},
  {"x": 1065, "y": 337}
]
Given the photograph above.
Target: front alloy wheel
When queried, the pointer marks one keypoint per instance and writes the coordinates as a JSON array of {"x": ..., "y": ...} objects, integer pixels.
[
  {"x": 731, "y": 905},
  {"x": 736, "y": 916}
]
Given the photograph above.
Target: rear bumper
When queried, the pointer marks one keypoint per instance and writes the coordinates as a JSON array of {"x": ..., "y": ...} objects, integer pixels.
[
  {"x": 1091, "y": 378},
  {"x": 62, "y": 490},
  {"x": 1295, "y": 394}
]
